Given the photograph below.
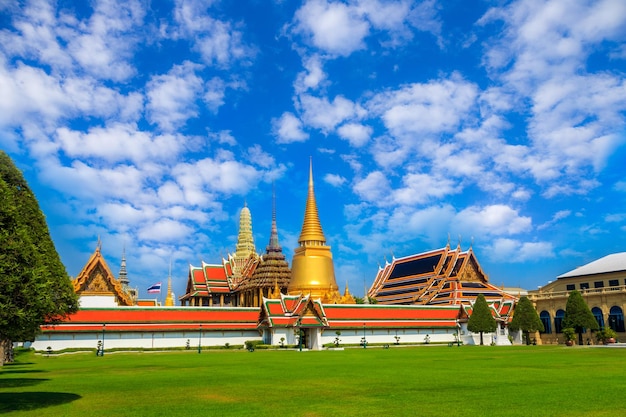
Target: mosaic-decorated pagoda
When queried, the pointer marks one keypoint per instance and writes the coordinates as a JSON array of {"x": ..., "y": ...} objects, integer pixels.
[{"x": 272, "y": 274}]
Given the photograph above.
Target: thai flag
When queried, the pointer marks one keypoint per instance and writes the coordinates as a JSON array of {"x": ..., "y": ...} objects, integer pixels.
[{"x": 156, "y": 288}]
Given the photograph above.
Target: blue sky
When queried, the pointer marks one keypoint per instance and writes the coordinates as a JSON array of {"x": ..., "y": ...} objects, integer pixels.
[{"x": 149, "y": 124}]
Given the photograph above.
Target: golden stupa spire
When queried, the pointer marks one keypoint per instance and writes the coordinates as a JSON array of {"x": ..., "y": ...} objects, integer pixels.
[
  {"x": 169, "y": 300},
  {"x": 311, "y": 227},
  {"x": 312, "y": 269}
]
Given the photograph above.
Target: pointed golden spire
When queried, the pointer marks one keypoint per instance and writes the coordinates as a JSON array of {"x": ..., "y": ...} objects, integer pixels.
[
  {"x": 169, "y": 300},
  {"x": 311, "y": 227}
]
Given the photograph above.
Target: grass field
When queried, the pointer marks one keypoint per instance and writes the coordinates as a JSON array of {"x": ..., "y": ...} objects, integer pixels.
[{"x": 411, "y": 381}]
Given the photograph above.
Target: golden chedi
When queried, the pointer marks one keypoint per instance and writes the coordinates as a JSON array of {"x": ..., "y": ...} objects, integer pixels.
[{"x": 312, "y": 270}]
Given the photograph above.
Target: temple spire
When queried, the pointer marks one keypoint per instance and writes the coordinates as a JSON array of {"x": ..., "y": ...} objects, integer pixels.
[
  {"x": 123, "y": 276},
  {"x": 274, "y": 232},
  {"x": 312, "y": 269},
  {"x": 311, "y": 227},
  {"x": 245, "y": 240},
  {"x": 169, "y": 300}
]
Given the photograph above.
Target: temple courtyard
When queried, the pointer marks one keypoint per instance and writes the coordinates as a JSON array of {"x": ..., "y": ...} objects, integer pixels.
[{"x": 429, "y": 380}]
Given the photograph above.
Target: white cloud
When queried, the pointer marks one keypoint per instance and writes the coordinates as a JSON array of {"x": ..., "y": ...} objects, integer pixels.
[
  {"x": 420, "y": 188},
  {"x": 541, "y": 57},
  {"x": 421, "y": 109},
  {"x": 312, "y": 77},
  {"x": 204, "y": 176},
  {"x": 214, "y": 93},
  {"x": 119, "y": 182},
  {"x": 164, "y": 230},
  {"x": 430, "y": 224},
  {"x": 373, "y": 188},
  {"x": 559, "y": 215},
  {"x": 288, "y": 129},
  {"x": 357, "y": 134},
  {"x": 335, "y": 28},
  {"x": 123, "y": 143},
  {"x": 325, "y": 115},
  {"x": 493, "y": 220},
  {"x": 103, "y": 46},
  {"x": 172, "y": 96},
  {"x": 388, "y": 15},
  {"x": 218, "y": 42},
  {"x": 256, "y": 155},
  {"x": 620, "y": 186},
  {"x": 334, "y": 180},
  {"x": 516, "y": 251}
]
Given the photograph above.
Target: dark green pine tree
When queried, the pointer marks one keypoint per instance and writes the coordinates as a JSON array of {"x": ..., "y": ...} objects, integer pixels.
[
  {"x": 34, "y": 286},
  {"x": 481, "y": 319},
  {"x": 526, "y": 319},
  {"x": 578, "y": 315}
]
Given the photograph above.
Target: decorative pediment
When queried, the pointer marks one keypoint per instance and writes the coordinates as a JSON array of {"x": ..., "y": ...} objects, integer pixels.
[
  {"x": 97, "y": 279},
  {"x": 292, "y": 311}
]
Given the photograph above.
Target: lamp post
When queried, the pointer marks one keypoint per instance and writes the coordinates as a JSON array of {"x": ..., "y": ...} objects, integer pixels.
[
  {"x": 200, "y": 340},
  {"x": 103, "y": 328},
  {"x": 364, "y": 340}
]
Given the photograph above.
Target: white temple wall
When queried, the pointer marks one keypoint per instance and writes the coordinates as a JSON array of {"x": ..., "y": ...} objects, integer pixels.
[
  {"x": 97, "y": 301},
  {"x": 388, "y": 336},
  {"x": 145, "y": 340}
]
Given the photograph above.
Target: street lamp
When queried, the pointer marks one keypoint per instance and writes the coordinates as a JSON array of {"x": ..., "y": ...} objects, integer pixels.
[
  {"x": 364, "y": 340},
  {"x": 200, "y": 340},
  {"x": 103, "y": 328}
]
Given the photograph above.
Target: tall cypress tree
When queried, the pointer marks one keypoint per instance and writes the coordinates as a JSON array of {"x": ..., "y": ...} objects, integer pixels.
[
  {"x": 34, "y": 286},
  {"x": 578, "y": 315},
  {"x": 526, "y": 319},
  {"x": 481, "y": 319}
]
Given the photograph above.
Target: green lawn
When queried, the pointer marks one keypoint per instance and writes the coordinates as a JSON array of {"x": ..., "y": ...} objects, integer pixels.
[{"x": 412, "y": 381}]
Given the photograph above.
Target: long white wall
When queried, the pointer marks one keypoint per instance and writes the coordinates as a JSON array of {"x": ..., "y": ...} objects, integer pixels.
[{"x": 146, "y": 340}]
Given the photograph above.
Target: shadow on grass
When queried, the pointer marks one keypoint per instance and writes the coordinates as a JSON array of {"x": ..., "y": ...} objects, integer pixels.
[
  {"x": 24, "y": 401},
  {"x": 21, "y": 371},
  {"x": 20, "y": 382}
]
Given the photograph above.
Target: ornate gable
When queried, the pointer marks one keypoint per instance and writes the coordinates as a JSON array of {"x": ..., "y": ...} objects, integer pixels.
[
  {"x": 292, "y": 311},
  {"x": 97, "y": 279}
]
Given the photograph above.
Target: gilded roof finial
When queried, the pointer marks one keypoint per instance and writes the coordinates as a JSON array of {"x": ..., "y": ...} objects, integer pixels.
[
  {"x": 448, "y": 244},
  {"x": 99, "y": 244},
  {"x": 459, "y": 245},
  {"x": 311, "y": 227}
]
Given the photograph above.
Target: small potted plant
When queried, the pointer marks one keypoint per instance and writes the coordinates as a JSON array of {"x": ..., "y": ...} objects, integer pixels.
[
  {"x": 606, "y": 336},
  {"x": 569, "y": 334}
]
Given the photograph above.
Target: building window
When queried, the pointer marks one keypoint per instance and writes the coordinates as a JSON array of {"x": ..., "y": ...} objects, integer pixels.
[
  {"x": 584, "y": 285},
  {"x": 598, "y": 284},
  {"x": 616, "y": 319},
  {"x": 571, "y": 287},
  {"x": 558, "y": 321},
  {"x": 545, "y": 319},
  {"x": 614, "y": 283},
  {"x": 597, "y": 313}
]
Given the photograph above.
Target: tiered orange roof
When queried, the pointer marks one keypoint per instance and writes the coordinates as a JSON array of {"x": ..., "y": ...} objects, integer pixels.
[
  {"x": 293, "y": 310},
  {"x": 210, "y": 279},
  {"x": 438, "y": 277}
]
